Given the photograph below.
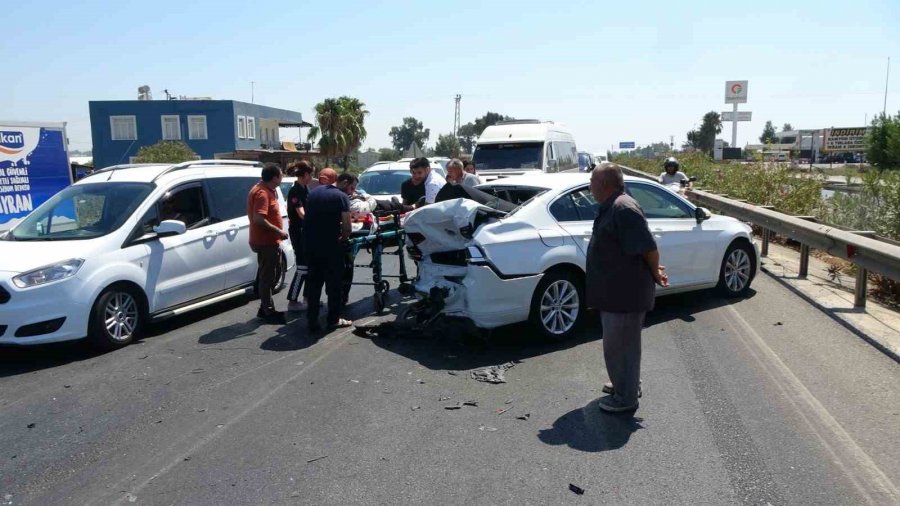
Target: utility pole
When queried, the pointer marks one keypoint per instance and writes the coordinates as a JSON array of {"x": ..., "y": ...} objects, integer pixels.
[
  {"x": 252, "y": 97},
  {"x": 886, "y": 77},
  {"x": 456, "y": 123}
]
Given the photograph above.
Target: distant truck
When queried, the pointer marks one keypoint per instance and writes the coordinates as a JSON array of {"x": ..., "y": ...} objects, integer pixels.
[{"x": 34, "y": 165}]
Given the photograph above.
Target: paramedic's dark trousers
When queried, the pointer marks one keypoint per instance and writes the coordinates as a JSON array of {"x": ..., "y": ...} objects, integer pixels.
[
  {"x": 622, "y": 353},
  {"x": 326, "y": 267},
  {"x": 301, "y": 272}
]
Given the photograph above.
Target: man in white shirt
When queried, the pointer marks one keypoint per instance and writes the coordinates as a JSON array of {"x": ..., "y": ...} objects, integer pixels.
[{"x": 421, "y": 173}]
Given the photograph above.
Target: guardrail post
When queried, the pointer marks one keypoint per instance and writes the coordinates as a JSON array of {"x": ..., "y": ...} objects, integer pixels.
[
  {"x": 804, "y": 260},
  {"x": 861, "y": 288},
  {"x": 766, "y": 235},
  {"x": 804, "y": 250}
]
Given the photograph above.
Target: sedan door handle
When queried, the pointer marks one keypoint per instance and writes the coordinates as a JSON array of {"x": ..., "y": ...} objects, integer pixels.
[{"x": 210, "y": 234}]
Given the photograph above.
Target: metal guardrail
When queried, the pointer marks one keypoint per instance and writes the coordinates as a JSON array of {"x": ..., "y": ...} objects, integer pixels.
[{"x": 860, "y": 247}]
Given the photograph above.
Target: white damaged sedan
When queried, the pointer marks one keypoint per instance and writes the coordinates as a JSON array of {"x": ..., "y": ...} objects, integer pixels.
[{"x": 498, "y": 268}]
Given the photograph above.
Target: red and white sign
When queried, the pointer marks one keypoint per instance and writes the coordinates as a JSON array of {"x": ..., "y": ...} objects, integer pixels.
[{"x": 736, "y": 92}]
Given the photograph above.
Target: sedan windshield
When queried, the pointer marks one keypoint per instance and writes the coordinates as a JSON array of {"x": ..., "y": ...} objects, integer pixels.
[
  {"x": 82, "y": 211},
  {"x": 382, "y": 182},
  {"x": 514, "y": 155}
]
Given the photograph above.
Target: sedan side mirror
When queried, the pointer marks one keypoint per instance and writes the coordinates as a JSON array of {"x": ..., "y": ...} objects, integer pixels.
[
  {"x": 702, "y": 214},
  {"x": 170, "y": 227}
]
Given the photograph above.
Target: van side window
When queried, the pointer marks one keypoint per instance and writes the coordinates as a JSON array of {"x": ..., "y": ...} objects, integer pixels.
[
  {"x": 229, "y": 196},
  {"x": 186, "y": 205}
]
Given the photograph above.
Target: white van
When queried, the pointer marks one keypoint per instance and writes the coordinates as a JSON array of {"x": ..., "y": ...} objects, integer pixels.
[
  {"x": 516, "y": 147},
  {"x": 127, "y": 245}
]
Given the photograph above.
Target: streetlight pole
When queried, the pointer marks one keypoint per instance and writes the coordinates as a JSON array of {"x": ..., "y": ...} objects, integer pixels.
[
  {"x": 252, "y": 97},
  {"x": 886, "y": 77}
]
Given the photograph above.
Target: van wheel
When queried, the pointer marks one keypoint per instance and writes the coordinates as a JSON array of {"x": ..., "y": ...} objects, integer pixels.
[
  {"x": 737, "y": 270},
  {"x": 116, "y": 318},
  {"x": 556, "y": 307}
]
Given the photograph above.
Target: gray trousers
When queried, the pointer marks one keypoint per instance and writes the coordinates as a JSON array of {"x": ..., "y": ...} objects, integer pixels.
[{"x": 622, "y": 353}]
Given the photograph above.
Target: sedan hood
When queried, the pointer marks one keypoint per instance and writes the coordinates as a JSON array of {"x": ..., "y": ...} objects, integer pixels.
[
  {"x": 448, "y": 225},
  {"x": 23, "y": 256}
]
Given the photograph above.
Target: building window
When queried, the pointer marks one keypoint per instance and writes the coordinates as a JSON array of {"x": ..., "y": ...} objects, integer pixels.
[
  {"x": 251, "y": 127},
  {"x": 171, "y": 128},
  {"x": 242, "y": 127},
  {"x": 197, "y": 128},
  {"x": 123, "y": 128}
]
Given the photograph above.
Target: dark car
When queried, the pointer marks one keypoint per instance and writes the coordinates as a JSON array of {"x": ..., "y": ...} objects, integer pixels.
[{"x": 585, "y": 161}]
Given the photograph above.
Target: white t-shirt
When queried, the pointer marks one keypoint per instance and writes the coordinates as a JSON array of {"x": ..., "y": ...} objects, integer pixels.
[
  {"x": 676, "y": 178},
  {"x": 433, "y": 184}
]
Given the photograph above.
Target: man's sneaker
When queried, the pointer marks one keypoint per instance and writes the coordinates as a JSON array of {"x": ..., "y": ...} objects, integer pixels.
[
  {"x": 296, "y": 306},
  {"x": 611, "y": 405},
  {"x": 608, "y": 389}
]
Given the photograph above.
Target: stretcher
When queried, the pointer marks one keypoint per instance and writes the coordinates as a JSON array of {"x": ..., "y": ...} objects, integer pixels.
[{"x": 378, "y": 231}]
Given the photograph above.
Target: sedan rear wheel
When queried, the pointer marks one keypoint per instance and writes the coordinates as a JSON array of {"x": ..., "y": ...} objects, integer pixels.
[{"x": 556, "y": 306}]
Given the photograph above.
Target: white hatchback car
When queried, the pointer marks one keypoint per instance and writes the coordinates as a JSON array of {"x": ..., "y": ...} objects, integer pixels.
[
  {"x": 383, "y": 180},
  {"x": 127, "y": 245},
  {"x": 497, "y": 269}
]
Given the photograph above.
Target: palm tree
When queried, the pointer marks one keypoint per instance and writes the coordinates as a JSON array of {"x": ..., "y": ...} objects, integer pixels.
[{"x": 339, "y": 127}]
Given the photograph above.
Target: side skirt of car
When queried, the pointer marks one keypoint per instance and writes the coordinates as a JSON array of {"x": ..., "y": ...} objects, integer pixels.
[{"x": 209, "y": 300}]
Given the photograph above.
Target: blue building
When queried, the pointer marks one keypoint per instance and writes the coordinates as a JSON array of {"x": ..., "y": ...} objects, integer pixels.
[{"x": 121, "y": 127}]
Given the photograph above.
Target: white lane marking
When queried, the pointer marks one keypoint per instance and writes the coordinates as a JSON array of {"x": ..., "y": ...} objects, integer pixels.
[{"x": 866, "y": 476}]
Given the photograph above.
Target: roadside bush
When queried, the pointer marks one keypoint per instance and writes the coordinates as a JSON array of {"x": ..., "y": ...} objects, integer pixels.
[{"x": 756, "y": 182}]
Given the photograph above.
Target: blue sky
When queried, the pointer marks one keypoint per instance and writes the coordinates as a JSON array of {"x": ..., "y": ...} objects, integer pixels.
[{"x": 625, "y": 71}]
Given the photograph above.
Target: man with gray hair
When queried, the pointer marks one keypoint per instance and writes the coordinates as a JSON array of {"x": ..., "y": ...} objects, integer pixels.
[
  {"x": 622, "y": 270},
  {"x": 456, "y": 174}
]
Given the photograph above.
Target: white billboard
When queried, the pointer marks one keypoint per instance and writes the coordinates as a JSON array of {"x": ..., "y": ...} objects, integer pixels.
[
  {"x": 741, "y": 116},
  {"x": 736, "y": 92}
]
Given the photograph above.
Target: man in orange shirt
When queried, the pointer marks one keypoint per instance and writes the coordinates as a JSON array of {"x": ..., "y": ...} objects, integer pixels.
[{"x": 266, "y": 234}]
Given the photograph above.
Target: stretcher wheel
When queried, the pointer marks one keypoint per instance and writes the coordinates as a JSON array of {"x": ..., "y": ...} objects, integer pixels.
[{"x": 378, "y": 301}]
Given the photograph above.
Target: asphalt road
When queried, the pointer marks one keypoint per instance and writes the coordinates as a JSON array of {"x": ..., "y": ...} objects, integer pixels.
[{"x": 757, "y": 401}]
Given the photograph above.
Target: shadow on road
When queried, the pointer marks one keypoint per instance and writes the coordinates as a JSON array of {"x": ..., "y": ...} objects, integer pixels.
[
  {"x": 590, "y": 429},
  {"x": 449, "y": 349},
  {"x": 15, "y": 360},
  {"x": 684, "y": 306}
]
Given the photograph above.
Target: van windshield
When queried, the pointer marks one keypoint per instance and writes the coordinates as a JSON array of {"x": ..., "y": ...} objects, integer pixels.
[
  {"x": 82, "y": 211},
  {"x": 514, "y": 155}
]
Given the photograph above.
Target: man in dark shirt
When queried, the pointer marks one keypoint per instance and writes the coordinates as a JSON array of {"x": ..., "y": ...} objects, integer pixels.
[
  {"x": 622, "y": 270},
  {"x": 296, "y": 202},
  {"x": 326, "y": 229},
  {"x": 410, "y": 193}
]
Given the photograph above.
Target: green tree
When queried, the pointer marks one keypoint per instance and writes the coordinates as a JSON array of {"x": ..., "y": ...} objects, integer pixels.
[
  {"x": 412, "y": 130},
  {"x": 787, "y": 127},
  {"x": 467, "y": 136},
  {"x": 165, "y": 152},
  {"x": 447, "y": 145},
  {"x": 389, "y": 155},
  {"x": 768, "y": 134},
  {"x": 469, "y": 132},
  {"x": 883, "y": 142},
  {"x": 340, "y": 127},
  {"x": 704, "y": 138}
]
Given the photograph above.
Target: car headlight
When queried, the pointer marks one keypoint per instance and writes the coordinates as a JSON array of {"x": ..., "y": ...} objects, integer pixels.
[{"x": 49, "y": 273}]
